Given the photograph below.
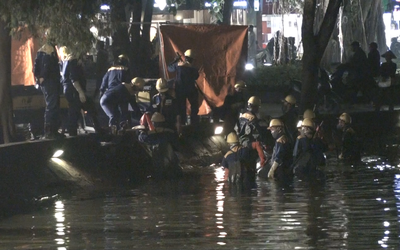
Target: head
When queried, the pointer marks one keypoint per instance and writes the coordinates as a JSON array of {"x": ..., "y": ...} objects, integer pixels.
[
  {"x": 232, "y": 139},
  {"x": 65, "y": 53},
  {"x": 253, "y": 104},
  {"x": 162, "y": 86},
  {"x": 189, "y": 56},
  {"x": 100, "y": 45},
  {"x": 288, "y": 103},
  {"x": 308, "y": 128},
  {"x": 138, "y": 84},
  {"x": 158, "y": 119},
  {"x": 355, "y": 45},
  {"x": 344, "y": 120},
  {"x": 373, "y": 46},
  {"x": 123, "y": 60},
  {"x": 389, "y": 56},
  {"x": 251, "y": 27},
  {"x": 308, "y": 113},
  {"x": 240, "y": 86},
  {"x": 276, "y": 128}
]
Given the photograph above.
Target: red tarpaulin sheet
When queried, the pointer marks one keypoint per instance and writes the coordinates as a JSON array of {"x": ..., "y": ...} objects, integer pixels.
[{"x": 220, "y": 53}]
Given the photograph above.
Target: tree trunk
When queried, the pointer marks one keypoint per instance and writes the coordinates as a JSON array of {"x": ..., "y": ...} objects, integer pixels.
[
  {"x": 6, "y": 110},
  {"x": 314, "y": 47},
  {"x": 227, "y": 12}
]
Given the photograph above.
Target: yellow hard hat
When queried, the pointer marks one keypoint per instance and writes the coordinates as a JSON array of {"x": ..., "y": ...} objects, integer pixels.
[
  {"x": 188, "y": 53},
  {"x": 345, "y": 117},
  {"x": 157, "y": 117},
  {"x": 254, "y": 100},
  {"x": 309, "y": 114},
  {"x": 308, "y": 122},
  {"x": 162, "y": 85},
  {"x": 138, "y": 82},
  {"x": 290, "y": 99},
  {"x": 232, "y": 138},
  {"x": 240, "y": 84},
  {"x": 275, "y": 123}
]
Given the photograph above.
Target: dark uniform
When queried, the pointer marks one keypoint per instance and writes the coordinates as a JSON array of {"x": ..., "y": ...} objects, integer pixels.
[
  {"x": 307, "y": 155},
  {"x": 185, "y": 88},
  {"x": 114, "y": 77},
  {"x": 115, "y": 104},
  {"x": 241, "y": 161},
  {"x": 387, "y": 72},
  {"x": 248, "y": 129},
  {"x": 72, "y": 71},
  {"x": 166, "y": 105},
  {"x": 47, "y": 68},
  {"x": 162, "y": 144},
  {"x": 282, "y": 155},
  {"x": 290, "y": 119},
  {"x": 350, "y": 147},
  {"x": 233, "y": 105}
]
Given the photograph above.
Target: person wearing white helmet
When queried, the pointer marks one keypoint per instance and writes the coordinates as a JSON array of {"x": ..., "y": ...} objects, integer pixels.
[
  {"x": 185, "y": 85},
  {"x": 234, "y": 161},
  {"x": 119, "y": 97},
  {"x": 349, "y": 150},
  {"x": 281, "y": 160},
  {"x": 248, "y": 128}
]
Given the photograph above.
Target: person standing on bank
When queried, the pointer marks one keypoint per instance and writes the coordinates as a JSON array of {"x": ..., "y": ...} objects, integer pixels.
[
  {"x": 185, "y": 85},
  {"x": 74, "y": 85},
  {"x": 120, "y": 96},
  {"x": 387, "y": 73},
  {"x": 374, "y": 59},
  {"x": 47, "y": 73}
]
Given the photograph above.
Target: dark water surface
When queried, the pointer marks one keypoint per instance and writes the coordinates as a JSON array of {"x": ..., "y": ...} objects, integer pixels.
[{"x": 354, "y": 208}]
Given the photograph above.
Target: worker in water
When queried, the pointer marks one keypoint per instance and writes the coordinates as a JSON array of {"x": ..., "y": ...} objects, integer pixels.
[
  {"x": 120, "y": 96},
  {"x": 162, "y": 143},
  {"x": 290, "y": 116},
  {"x": 248, "y": 128},
  {"x": 241, "y": 159},
  {"x": 350, "y": 148},
  {"x": 186, "y": 86},
  {"x": 74, "y": 86},
  {"x": 165, "y": 103},
  {"x": 281, "y": 160},
  {"x": 234, "y": 104}
]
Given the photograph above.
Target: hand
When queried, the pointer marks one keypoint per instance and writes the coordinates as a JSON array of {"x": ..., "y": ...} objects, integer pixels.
[
  {"x": 82, "y": 97},
  {"x": 41, "y": 80}
]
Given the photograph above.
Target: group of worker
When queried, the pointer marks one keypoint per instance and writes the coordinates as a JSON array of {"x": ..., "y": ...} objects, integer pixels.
[
  {"x": 298, "y": 147},
  {"x": 60, "y": 71}
]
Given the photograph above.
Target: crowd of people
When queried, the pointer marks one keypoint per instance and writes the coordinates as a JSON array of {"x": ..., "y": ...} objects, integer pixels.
[
  {"x": 284, "y": 148},
  {"x": 292, "y": 144}
]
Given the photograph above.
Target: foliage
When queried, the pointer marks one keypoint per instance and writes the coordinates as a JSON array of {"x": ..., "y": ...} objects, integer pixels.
[
  {"x": 275, "y": 76},
  {"x": 69, "y": 22}
]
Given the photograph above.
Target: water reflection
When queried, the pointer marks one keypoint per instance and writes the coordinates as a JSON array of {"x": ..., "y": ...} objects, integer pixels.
[{"x": 356, "y": 207}]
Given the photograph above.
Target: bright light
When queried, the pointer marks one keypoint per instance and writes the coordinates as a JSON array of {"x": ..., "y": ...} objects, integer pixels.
[
  {"x": 249, "y": 66},
  {"x": 178, "y": 17},
  {"x": 161, "y": 4},
  {"x": 58, "y": 153},
  {"x": 218, "y": 130},
  {"x": 105, "y": 7},
  {"x": 299, "y": 123}
]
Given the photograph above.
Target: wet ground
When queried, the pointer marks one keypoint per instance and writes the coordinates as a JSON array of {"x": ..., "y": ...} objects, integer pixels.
[{"x": 356, "y": 207}]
